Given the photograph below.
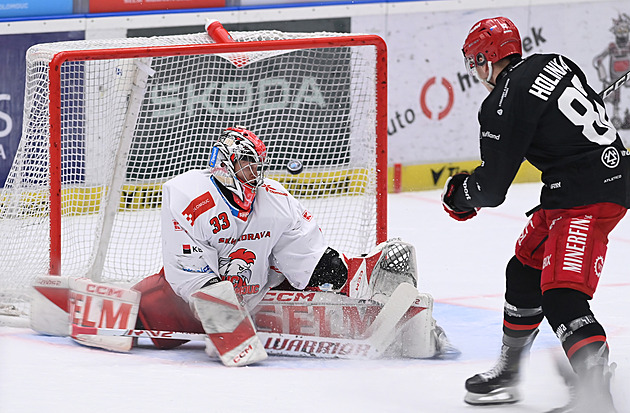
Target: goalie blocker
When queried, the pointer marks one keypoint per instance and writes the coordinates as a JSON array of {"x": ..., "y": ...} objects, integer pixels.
[{"x": 297, "y": 314}]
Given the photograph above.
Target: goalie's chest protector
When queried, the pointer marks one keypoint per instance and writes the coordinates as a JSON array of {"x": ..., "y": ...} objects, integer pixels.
[{"x": 240, "y": 246}]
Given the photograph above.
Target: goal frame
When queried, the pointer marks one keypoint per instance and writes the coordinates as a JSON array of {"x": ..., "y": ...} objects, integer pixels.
[{"x": 54, "y": 89}]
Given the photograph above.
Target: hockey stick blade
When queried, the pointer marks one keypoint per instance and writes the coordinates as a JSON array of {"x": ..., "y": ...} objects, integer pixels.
[
  {"x": 615, "y": 85},
  {"x": 122, "y": 332},
  {"x": 277, "y": 344},
  {"x": 381, "y": 333}
]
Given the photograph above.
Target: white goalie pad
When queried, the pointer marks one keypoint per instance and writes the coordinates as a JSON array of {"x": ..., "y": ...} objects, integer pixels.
[
  {"x": 93, "y": 305},
  {"x": 229, "y": 327},
  {"x": 77, "y": 307},
  {"x": 337, "y": 317},
  {"x": 49, "y": 305}
]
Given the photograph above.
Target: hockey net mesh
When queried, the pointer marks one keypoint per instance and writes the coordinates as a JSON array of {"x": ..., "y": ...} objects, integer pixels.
[{"x": 315, "y": 105}]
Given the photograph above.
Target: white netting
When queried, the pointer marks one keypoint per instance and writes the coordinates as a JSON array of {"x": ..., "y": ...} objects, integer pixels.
[{"x": 316, "y": 105}]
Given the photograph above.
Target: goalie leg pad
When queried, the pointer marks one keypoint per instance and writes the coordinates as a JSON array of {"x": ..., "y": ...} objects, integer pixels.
[
  {"x": 49, "y": 305},
  {"x": 99, "y": 305},
  {"x": 229, "y": 326}
]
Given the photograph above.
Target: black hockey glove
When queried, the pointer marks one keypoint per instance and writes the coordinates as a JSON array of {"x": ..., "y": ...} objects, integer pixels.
[{"x": 453, "y": 183}]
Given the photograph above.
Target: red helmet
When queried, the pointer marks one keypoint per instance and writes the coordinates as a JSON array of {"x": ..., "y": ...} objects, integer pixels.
[{"x": 490, "y": 40}]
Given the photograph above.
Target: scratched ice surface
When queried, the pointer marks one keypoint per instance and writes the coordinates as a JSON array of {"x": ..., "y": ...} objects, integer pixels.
[{"x": 460, "y": 264}]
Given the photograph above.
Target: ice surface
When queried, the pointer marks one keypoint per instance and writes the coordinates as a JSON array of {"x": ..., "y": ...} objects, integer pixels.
[{"x": 460, "y": 264}]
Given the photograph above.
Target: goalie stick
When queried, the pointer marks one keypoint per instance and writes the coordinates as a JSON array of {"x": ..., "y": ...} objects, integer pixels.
[
  {"x": 277, "y": 344},
  {"x": 378, "y": 337}
]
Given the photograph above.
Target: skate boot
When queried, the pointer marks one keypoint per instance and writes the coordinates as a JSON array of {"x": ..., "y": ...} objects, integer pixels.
[
  {"x": 590, "y": 392},
  {"x": 499, "y": 385}
]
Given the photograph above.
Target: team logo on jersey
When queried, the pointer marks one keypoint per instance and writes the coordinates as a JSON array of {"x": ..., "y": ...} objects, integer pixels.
[
  {"x": 176, "y": 226},
  {"x": 197, "y": 207},
  {"x": 237, "y": 268},
  {"x": 307, "y": 215},
  {"x": 610, "y": 157},
  {"x": 599, "y": 266}
]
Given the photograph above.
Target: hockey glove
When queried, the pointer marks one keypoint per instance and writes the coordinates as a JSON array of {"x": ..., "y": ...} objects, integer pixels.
[{"x": 453, "y": 183}]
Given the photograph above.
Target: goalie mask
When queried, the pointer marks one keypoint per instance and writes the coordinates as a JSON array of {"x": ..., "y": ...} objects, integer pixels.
[
  {"x": 239, "y": 162},
  {"x": 489, "y": 41}
]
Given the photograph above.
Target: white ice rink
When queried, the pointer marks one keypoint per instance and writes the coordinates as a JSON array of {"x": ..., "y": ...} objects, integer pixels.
[{"x": 460, "y": 264}]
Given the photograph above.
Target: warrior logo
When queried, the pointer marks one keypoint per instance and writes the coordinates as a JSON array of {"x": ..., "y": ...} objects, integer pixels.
[{"x": 237, "y": 268}]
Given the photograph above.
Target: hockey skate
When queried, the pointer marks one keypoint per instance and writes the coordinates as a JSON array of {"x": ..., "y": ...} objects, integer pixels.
[
  {"x": 498, "y": 385},
  {"x": 589, "y": 393}
]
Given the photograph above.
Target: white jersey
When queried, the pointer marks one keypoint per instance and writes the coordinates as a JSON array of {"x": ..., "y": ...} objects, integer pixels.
[{"x": 203, "y": 235}]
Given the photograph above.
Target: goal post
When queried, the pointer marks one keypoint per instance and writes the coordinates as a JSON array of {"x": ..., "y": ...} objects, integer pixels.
[{"x": 107, "y": 122}]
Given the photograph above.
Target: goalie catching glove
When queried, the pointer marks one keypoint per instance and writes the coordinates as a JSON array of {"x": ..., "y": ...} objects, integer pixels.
[
  {"x": 372, "y": 276},
  {"x": 453, "y": 183}
]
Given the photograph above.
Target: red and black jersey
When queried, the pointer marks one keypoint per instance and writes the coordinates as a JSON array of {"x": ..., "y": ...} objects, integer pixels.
[{"x": 543, "y": 110}]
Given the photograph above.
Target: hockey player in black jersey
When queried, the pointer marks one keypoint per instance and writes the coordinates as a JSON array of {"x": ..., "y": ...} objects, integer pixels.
[{"x": 542, "y": 109}]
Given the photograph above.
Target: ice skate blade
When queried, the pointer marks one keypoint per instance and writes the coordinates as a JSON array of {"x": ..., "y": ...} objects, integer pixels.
[{"x": 503, "y": 395}]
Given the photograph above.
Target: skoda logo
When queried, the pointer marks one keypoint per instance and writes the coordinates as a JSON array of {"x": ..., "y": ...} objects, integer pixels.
[{"x": 610, "y": 157}]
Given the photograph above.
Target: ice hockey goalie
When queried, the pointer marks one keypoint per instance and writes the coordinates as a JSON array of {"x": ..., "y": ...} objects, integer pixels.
[
  {"x": 247, "y": 265},
  {"x": 286, "y": 321}
]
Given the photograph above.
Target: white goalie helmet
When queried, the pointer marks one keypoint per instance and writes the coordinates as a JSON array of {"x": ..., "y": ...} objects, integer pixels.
[{"x": 239, "y": 162}]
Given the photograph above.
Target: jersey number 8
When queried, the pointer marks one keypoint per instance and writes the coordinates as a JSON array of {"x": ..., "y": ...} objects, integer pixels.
[{"x": 590, "y": 115}]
